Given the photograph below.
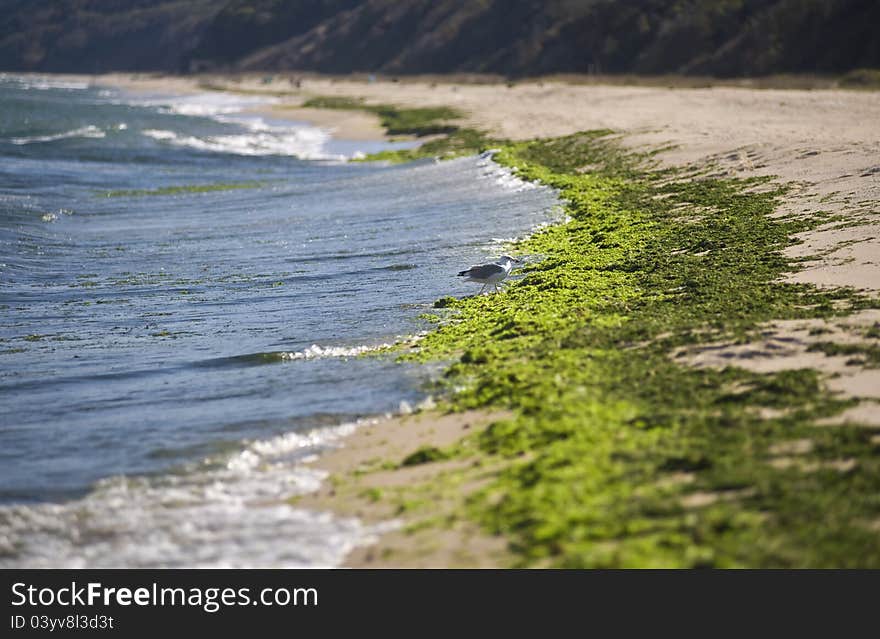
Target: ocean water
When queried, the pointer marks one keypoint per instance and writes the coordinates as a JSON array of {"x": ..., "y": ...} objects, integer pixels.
[{"x": 185, "y": 286}]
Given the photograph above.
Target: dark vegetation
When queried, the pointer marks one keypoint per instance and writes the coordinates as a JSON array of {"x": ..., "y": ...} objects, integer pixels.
[
  {"x": 506, "y": 37},
  {"x": 91, "y": 36}
]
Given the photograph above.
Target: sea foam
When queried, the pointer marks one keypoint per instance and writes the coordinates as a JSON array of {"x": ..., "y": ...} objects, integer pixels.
[
  {"x": 89, "y": 131},
  {"x": 501, "y": 175},
  {"x": 223, "y": 512},
  {"x": 320, "y": 352},
  {"x": 42, "y": 83},
  {"x": 255, "y": 136},
  {"x": 306, "y": 143}
]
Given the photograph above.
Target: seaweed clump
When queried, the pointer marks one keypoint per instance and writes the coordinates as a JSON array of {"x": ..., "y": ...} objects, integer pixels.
[{"x": 617, "y": 454}]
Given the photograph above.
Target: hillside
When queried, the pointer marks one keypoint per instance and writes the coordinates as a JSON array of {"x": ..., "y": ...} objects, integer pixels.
[
  {"x": 92, "y": 36},
  {"x": 509, "y": 37}
]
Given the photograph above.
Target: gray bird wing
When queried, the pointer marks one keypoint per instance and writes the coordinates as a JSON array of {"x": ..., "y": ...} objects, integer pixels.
[{"x": 482, "y": 271}]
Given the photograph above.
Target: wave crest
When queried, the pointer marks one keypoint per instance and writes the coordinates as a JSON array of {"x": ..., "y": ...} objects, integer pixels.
[
  {"x": 306, "y": 143},
  {"x": 90, "y": 131},
  {"x": 222, "y": 513},
  {"x": 320, "y": 352}
]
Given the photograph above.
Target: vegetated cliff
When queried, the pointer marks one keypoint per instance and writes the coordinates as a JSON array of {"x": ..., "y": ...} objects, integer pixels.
[
  {"x": 510, "y": 37},
  {"x": 100, "y": 35}
]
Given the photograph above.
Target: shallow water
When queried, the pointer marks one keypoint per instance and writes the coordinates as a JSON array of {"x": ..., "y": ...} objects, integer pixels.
[{"x": 183, "y": 290}]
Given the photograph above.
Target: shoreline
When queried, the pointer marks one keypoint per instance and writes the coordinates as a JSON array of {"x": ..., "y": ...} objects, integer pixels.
[
  {"x": 834, "y": 173},
  {"x": 347, "y": 125},
  {"x": 369, "y": 478},
  {"x": 822, "y": 141}
]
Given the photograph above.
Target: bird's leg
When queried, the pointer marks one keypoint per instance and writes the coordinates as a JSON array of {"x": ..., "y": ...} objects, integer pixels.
[{"x": 482, "y": 289}]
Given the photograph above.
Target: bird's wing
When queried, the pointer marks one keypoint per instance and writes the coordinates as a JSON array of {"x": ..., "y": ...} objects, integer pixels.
[{"x": 482, "y": 271}]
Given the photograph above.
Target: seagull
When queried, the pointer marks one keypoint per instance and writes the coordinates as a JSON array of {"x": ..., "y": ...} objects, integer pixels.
[{"x": 490, "y": 273}]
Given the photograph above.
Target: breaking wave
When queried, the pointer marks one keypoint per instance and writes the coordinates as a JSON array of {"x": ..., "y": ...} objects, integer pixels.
[
  {"x": 229, "y": 512},
  {"x": 306, "y": 143},
  {"x": 501, "y": 175},
  {"x": 319, "y": 352},
  {"x": 40, "y": 83},
  {"x": 89, "y": 131}
]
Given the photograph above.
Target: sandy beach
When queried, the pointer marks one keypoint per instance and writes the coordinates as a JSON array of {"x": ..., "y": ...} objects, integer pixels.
[{"x": 824, "y": 144}]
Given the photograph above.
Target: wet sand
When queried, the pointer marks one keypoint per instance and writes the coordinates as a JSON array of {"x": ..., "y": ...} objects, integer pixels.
[{"x": 369, "y": 482}]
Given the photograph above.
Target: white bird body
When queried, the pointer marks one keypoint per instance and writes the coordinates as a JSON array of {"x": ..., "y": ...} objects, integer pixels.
[{"x": 490, "y": 273}]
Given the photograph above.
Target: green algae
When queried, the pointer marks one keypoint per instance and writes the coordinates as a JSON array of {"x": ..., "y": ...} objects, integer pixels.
[
  {"x": 182, "y": 189},
  {"x": 634, "y": 459},
  {"x": 451, "y": 141},
  {"x": 425, "y": 455},
  {"x": 395, "y": 120},
  {"x": 171, "y": 334},
  {"x": 867, "y": 355},
  {"x": 372, "y": 494},
  {"x": 457, "y": 143}
]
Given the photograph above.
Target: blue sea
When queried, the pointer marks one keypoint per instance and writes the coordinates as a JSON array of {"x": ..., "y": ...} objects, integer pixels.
[{"x": 186, "y": 286}]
